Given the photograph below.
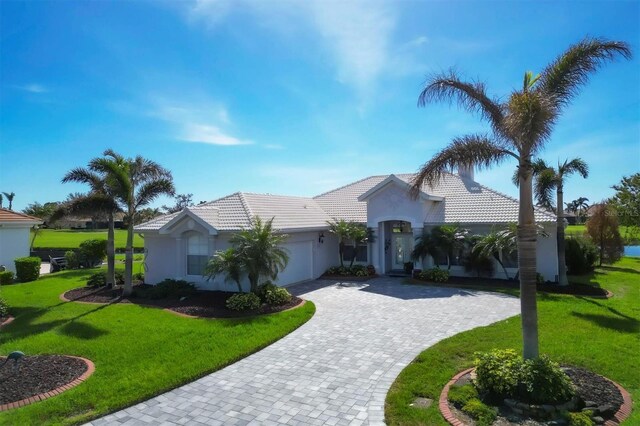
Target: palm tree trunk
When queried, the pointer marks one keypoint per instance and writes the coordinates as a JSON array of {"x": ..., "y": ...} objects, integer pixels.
[
  {"x": 341, "y": 252},
  {"x": 562, "y": 266},
  {"x": 527, "y": 263},
  {"x": 111, "y": 253},
  {"x": 128, "y": 257},
  {"x": 506, "y": 274}
]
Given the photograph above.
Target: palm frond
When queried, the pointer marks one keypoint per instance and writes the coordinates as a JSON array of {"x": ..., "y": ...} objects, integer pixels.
[
  {"x": 577, "y": 165},
  {"x": 82, "y": 175},
  {"x": 546, "y": 181},
  {"x": 116, "y": 176},
  {"x": 469, "y": 95},
  {"x": 529, "y": 120},
  {"x": 152, "y": 189},
  {"x": 562, "y": 79},
  {"x": 466, "y": 151}
]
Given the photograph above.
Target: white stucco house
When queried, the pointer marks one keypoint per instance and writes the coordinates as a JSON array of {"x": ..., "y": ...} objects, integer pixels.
[
  {"x": 14, "y": 236},
  {"x": 178, "y": 245}
]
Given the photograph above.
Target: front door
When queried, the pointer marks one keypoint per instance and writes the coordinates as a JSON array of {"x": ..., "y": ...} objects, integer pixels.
[{"x": 401, "y": 246}]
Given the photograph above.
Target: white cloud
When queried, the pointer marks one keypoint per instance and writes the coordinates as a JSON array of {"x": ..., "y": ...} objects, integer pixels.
[
  {"x": 209, "y": 134},
  {"x": 33, "y": 88}
]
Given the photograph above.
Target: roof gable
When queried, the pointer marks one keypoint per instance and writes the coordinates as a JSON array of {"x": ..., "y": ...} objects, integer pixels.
[
  {"x": 205, "y": 216},
  {"x": 394, "y": 180}
]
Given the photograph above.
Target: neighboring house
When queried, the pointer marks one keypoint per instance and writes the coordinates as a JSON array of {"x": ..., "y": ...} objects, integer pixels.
[
  {"x": 15, "y": 236},
  {"x": 178, "y": 245},
  {"x": 90, "y": 223}
]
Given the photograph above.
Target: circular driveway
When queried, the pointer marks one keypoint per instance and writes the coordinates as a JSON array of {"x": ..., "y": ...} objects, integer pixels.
[{"x": 334, "y": 370}]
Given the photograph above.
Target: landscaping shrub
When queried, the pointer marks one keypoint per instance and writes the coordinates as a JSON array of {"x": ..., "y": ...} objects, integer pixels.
[
  {"x": 138, "y": 276},
  {"x": 243, "y": 302},
  {"x": 100, "y": 279},
  {"x": 278, "y": 296},
  {"x": 580, "y": 419},
  {"x": 263, "y": 288},
  {"x": 460, "y": 395},
  {"x": 91, "y": 252},
  {"x": 482, "y": 413},
  {"x": 4, "y": 308},
  {"x": 504, "y": 373},
  {"x": 168, "y": 288},
  {"x": 539, "y": 278},
  {"x": 6, "y": 277},
  {"x": 581, "y": 255},
  {"x": 72, "y": 258},
  {"x": 27, "y": 268},
  {"x": 478, "y": 263},
  {"x": 544, "y": 382},
  {"x": 355, "y": 270},
  {"x": 371, "y": 270},
  {"x": 435, "y": 274}
]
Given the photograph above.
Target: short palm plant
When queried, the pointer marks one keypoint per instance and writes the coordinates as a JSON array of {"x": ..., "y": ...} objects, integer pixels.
[
  {"x": 521, "y": 125},
  {"x": 425, "y": 245},
  {"x": 342, "y": 229},
  {"x": 226, "y": 262},
  {"x": 450, "y": 239},
  {"x": 496, "y": 244}
]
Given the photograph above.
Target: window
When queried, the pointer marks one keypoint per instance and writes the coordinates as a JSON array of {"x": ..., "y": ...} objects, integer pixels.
[
  {"x": 197, "y": 254},
  {"x": 510, "y": 260},
  {"x": 361, "y": 254}
]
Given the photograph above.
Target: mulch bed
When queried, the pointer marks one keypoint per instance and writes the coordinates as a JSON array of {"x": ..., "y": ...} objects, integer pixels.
[
  {"x": 477, "y": 283},
  {"x": 347, "y": 277},
  {"x": 36, "y": 375},
  {"x": 591, "y": 388},
  {"x": 206, "y": 304}
]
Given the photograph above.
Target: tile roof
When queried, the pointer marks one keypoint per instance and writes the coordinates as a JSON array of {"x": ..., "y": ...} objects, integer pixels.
[
  {"x": 465, "y": 201},
  {"x": 9, "y": 216}
]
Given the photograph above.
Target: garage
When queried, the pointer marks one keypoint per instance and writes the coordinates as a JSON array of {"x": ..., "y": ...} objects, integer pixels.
[{"x": 300, "y": 266}]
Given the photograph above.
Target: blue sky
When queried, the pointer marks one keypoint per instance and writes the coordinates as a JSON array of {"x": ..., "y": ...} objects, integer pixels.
[{"x": 291, "y": 97}]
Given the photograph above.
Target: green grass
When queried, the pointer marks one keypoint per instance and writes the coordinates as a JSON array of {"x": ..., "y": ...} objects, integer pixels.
[
  {"x": 601, "y": 335},
  {"x": 630, "y": 234},
  {"x": 71, "y": 238},
  {"x": 138, "y": 351}
]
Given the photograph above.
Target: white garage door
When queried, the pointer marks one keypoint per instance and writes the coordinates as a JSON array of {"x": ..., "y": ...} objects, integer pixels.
[{"x": 300, "y": 266}]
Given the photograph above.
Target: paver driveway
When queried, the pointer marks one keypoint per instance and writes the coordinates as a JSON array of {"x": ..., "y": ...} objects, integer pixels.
[{"x": 335, "y": 369}]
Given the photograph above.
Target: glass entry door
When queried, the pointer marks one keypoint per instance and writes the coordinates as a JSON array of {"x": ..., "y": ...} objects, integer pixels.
[{"x": 401, "y": 246}]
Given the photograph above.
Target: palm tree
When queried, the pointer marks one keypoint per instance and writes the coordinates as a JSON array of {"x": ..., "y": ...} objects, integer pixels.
[
  {"x": 1, "y": 201},
  {"x": 494, "y": 243},
  {"x": 259, "y": 251},
  {"x": 99, "y": 199},
  {"x": 134, "y": 182},
  {"x": 225, "y": 262},
  {"x": 425, "y": 245},
  {"x": 450, "y": 239},
  {"x": 546, "y": 180},
  {"x": 342, "y": 229},
  {"x": 358, "y": 234},
  {"x": 581, "y": 207},
  {"x": 520, "y": 127},
  {"x": 10, "y": 196}
]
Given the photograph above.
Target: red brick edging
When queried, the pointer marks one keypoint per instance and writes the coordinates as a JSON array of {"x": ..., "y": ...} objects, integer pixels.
[
  {"x": 623, "y": 412},
  {"x": 41, "y": 397},
  {"x": 8, "y": 321}
]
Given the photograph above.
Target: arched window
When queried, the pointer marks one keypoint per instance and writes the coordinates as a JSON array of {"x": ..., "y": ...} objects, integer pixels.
[{"x": 197, "y": 253}]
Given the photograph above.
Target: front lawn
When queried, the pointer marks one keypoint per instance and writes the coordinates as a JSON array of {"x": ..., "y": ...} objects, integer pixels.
[
  {"x": 71, "y": 238},
  {"x": 138, "y": 351},
  {"x": 600, "y": 335},
  {"x": 630, "y": 234}
]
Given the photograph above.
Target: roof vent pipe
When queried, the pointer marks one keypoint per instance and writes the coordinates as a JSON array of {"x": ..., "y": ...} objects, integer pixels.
[{"x": 465, "y": 171}]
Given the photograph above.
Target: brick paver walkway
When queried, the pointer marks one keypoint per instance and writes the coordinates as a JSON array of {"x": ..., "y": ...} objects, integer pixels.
[{"x": 334, "y": 370}]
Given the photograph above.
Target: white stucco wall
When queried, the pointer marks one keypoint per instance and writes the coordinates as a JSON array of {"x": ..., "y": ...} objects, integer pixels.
[
  {"x": 14, "y": 243},
  {"x": 393, "y": 203}
]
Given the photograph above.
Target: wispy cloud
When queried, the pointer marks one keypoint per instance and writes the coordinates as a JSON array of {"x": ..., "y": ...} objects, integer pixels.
[
  {"x": 203, "y": 133},
  {"x": 33, "y": 88}
]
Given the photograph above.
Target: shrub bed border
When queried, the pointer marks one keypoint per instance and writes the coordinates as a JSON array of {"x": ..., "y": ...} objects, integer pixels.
[
  {"x": 621, "y": 415},
  {"x": 91, "y": 368}
]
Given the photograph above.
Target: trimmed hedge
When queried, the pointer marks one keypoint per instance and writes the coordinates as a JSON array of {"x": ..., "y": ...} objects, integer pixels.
[
  {"x": 6, "y": 277},
  {"x": 27, "y": 269},
  {"x": 278, "y": 296},
  {"x": 243, "y": 302}
]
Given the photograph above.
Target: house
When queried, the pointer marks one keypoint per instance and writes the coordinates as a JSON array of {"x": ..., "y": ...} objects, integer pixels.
[
  {"x": 90, "y": 223},
  {"x": 178, "y": 245},
  {"x": 15, "y": 236}
]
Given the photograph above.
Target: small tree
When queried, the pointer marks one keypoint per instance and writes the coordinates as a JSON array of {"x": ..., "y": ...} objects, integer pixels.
[
  {"x": 450, "y": 239},
  {"x": 226, "y": 262},
  {"x": 181, "y": 201},
  {"x": 342, "y": 229},
  {"x": 425, "y": 245},
  {"x": 602, "y": 227},
  {"x": 626, "y": 201},
  {"x": 359, "y": 235},
  {"x": 495, "y": 243}
]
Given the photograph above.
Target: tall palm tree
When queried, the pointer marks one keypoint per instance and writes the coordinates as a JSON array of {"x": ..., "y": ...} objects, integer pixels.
[
  {"x": 546, "y": 180},
  {"x": 226, "y": 262},
  {"x": 581, "y": 207},
  {"x": 99, "y": 199},
  {"x": 134, "y": 182},
  {"x": 260, "y": 252},
  {"x": 520, "y": 127},
  {"x": 10, "y": 196}
]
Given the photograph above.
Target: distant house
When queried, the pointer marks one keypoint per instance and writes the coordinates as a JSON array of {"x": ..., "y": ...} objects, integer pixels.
[
  {"x": 14, "y": 236},
  {"x": 90, "y": 223},
  {"x": 178, "y": 245}
]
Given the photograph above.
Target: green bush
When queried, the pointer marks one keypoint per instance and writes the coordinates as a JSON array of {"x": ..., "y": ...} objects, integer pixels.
[
  {"x": 72, "y": 259},
  {"x": 27, "y": 269},
  {"x": 278, "y": 296},
  {"x": 91, "y": 252},
  {"x": 544, "y": 382},
  {"x": 168, "y": 288},
  {"x": 482, "y": 413},
  {"x": 580, "y": 419},
  {"x": 100, "y": 279},
  {"x": 581, "y": 255},
  {"x": 138, "y": 276},
  {"x": 355, "y": 270},
  {"x": 435, "y": 274},
  {"x": 504, "y": 373},
  {"x": 4, "y": 308},
  {"x": 6, "y": 277},
  {"x": 478, "y": 263},
  {"x": 243, "y": 302},
  {"x": 263, "y": 288},
  {"x": 498, "y": 372},
  {"x": 539, "y": 278},
  {"x": 460, "y": 395}
]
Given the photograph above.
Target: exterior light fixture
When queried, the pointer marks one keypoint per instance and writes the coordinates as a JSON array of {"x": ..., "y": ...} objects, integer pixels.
[{"x": 321, "y": 237}]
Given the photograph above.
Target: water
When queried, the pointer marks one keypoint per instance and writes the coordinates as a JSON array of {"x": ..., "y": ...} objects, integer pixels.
[{"x": 632, "y": 251}]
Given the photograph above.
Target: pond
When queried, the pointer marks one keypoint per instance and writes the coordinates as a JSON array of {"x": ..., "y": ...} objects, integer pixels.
[{"x": 632, "y": 251}]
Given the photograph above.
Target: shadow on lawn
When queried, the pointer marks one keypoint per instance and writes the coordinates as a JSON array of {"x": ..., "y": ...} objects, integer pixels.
[
  {"x": 618, "y": 269},
  {"x": 624, "y": 324}
]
